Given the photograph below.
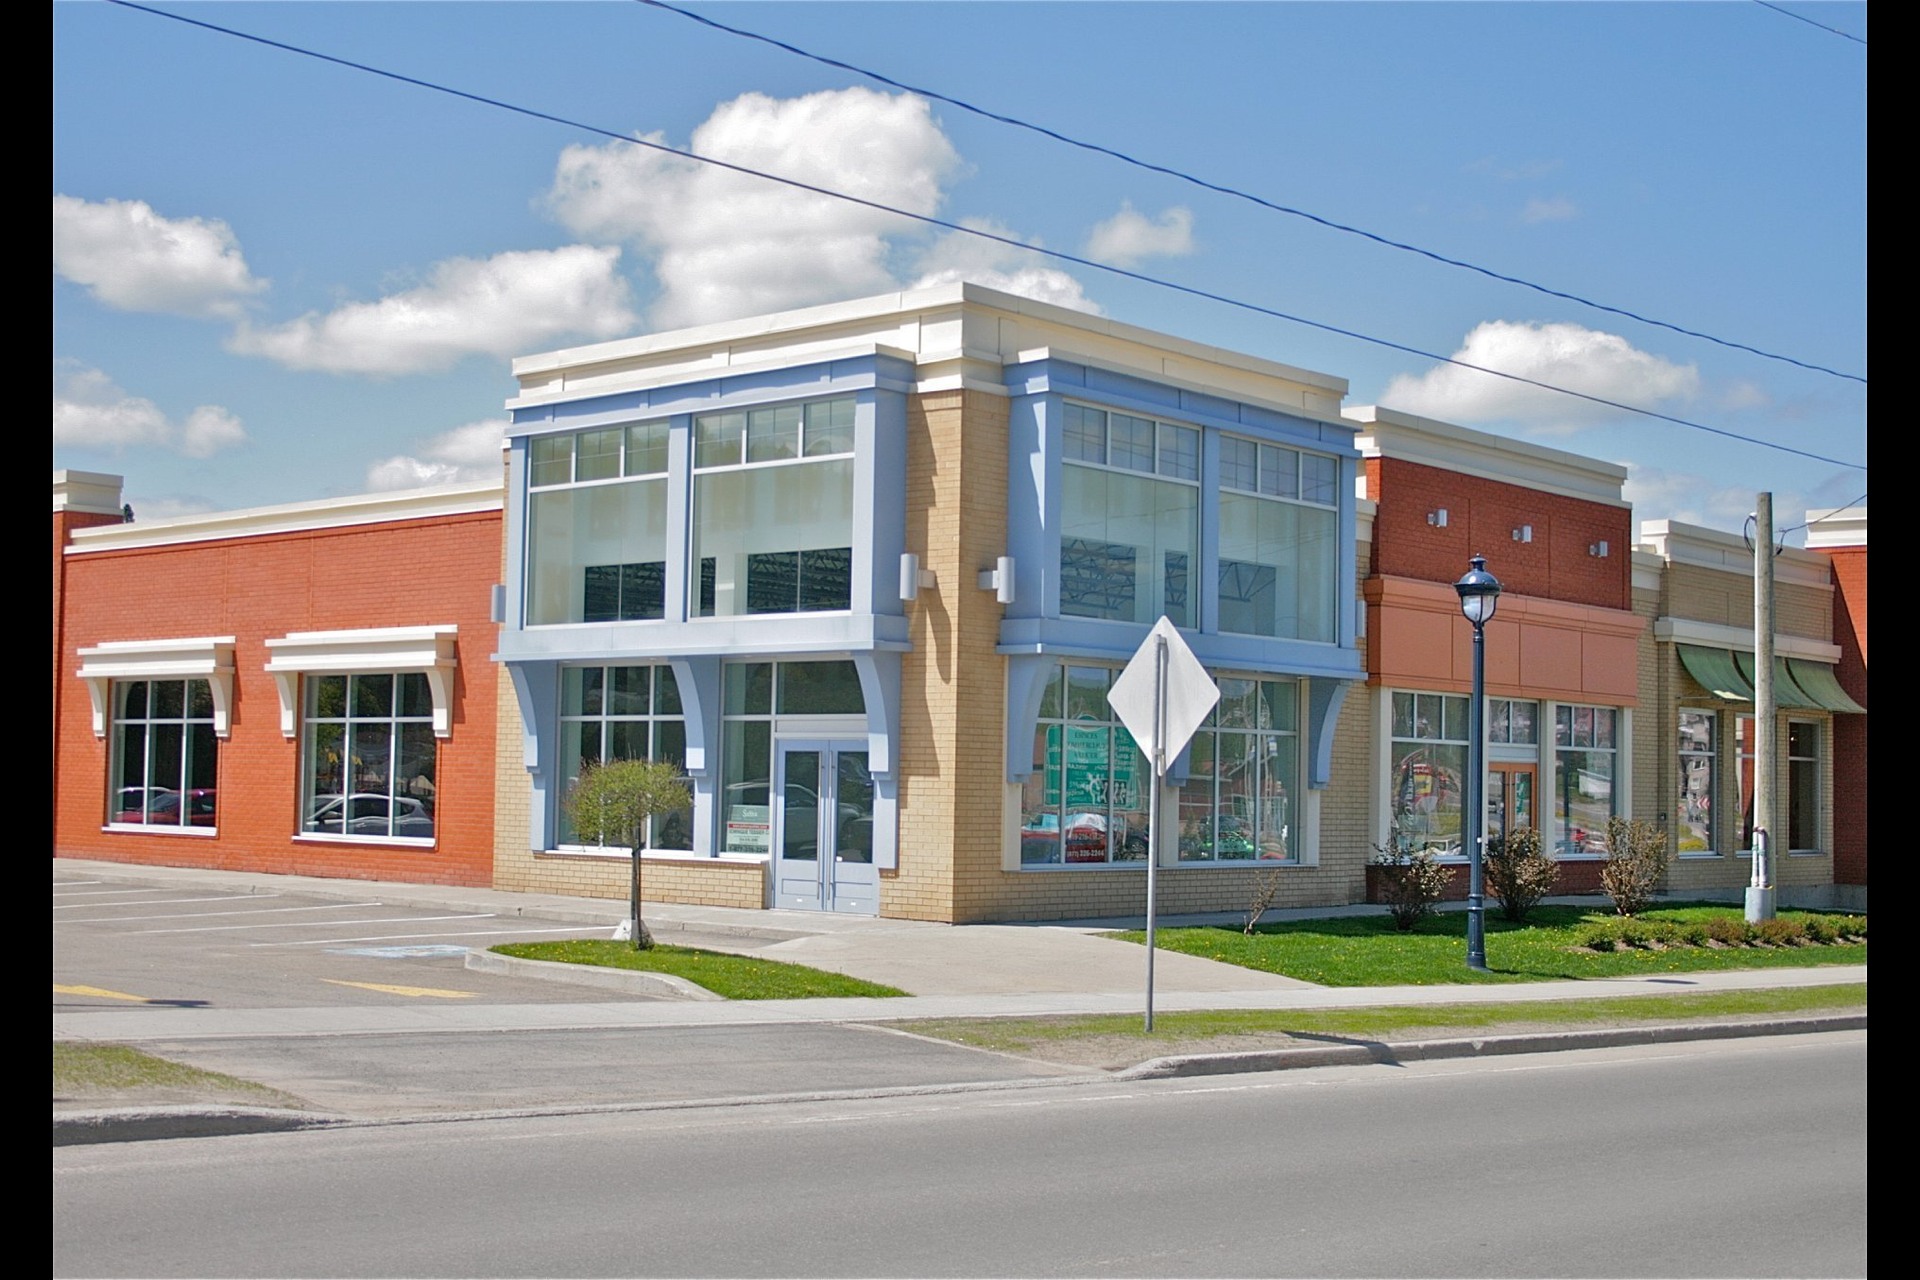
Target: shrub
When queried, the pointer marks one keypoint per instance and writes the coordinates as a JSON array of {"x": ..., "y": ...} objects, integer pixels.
[
  {"x": 1412, "y": 879},
  {"x": 1730, "y": 930},
  {"x": 1636, "y": 855},
  {"x": 1781, "y": 931},
  {"x": 1518, "y": 873},
  {"x": 1695, "y": 933},
  {"x": 1820, "y": 929}
]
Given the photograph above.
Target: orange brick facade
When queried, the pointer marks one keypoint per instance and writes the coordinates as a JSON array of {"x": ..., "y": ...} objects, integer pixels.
[
  {"x": 1850, "y": 732},
  {"x": 393, "y": 573},
  {"x": 1481, "y": 517}
]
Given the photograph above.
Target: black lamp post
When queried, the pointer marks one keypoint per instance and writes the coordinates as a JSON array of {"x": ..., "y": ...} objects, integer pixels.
[{"x": 1479, "y": 597}]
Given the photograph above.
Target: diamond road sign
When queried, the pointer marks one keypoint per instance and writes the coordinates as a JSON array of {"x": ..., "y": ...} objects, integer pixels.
[{"x": 1189, "y": 695}]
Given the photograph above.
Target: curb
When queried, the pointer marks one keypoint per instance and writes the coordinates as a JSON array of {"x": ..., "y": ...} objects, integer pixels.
[
  {"x": 1343, "y": 1055},
  {"x": 662, "y": 986},
  {"x": 147, "y": 1124},
  {"x": 153, "y": 1123}
]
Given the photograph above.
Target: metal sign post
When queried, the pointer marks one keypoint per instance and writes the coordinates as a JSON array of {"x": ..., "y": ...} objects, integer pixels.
[{"x": 1162, "y": 697}]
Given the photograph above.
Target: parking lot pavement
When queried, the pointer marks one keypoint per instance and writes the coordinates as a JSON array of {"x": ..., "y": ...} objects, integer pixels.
[{"x": 119, "y": 945}]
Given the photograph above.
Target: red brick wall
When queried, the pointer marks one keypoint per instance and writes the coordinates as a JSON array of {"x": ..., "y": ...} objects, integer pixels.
[
  {"x": 1481, "y": 515},
  {"x": 1850, "y": 731},
  {"x": 399, "y": 573}
]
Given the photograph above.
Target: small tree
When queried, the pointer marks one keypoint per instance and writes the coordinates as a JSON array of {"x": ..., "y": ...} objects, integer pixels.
[
  {"x": 611, "y": 803},
  {"x": 1636, "y": 856},
  {"x": 1266, "y": 887},
  {"x": 1413, "y": 880},
  {"x": 1518, "y": 872}
]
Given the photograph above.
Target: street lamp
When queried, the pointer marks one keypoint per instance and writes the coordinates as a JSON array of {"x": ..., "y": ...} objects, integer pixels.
[{"x": 1479, "y": 597}]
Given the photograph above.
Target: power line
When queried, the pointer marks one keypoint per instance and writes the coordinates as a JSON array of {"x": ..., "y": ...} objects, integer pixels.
[
  {"x": 1262, "y": 201},
  {"x": 1845, "y": 506},
  {"x": 1810, "y": 22},
  {"x": 929, "y": 220}
]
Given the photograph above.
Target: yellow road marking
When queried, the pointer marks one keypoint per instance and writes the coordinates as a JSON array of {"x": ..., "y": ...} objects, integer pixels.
[
  {"x": 102, "y": 992},
  {"x": 404, "y": 991}
]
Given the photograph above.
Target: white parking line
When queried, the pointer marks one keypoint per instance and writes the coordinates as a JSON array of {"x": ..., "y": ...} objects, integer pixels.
[
  {"x": 394, "y": 937},
  {"x": 62, "y": 884},
  {"x": 295, "y": 924},
  {"x": 263, "y": 911},
  {"x": 169, "y": 902},
  {"x": 101, "y": 893}
]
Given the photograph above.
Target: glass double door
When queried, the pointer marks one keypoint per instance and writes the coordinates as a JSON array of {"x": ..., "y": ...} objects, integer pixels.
[{"x": 823, "y": 828}]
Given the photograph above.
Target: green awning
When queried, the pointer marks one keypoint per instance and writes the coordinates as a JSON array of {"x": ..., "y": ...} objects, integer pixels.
[
  {"x": 1715, "y": 671},
  {"x": 1785, "y": 692},
  {"x": 1817, "y": 681}
]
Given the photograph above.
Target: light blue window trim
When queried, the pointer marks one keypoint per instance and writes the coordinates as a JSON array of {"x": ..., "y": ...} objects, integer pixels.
[{"x": 1034, "y": 634}]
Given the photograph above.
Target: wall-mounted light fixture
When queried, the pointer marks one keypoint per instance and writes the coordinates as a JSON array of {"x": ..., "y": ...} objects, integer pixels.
[
  {"x": 912, "y": 576},
  {"x": 1523, "y": 534},
  {"x": 999, "y": 579},
  {"x": 1598, "y": 549},
  {"x": 1438, "y": 519}
]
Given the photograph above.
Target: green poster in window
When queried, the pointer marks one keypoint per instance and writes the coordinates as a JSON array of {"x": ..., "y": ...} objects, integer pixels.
[{"x": 1086, "y": 768}]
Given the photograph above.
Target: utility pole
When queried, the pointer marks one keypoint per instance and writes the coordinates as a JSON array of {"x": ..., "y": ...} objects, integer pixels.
[{"x": 1760, "y": 890}]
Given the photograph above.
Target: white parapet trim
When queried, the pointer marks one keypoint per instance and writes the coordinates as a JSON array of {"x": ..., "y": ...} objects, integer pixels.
[
  {"x": 1715, "y": 636},
  {"x": 428, "y": 650},
  {"x": 208, "y": 658},
  {"x": 329, "y": 513}
]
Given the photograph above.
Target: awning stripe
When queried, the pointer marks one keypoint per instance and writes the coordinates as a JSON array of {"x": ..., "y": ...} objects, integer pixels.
[
  {"x": 1819, "y": 683},
  {"x": 1715, "y": 671},
  {"x": 1785, "y": 692}
]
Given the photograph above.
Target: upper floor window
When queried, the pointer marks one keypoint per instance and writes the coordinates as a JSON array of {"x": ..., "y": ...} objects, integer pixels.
[
  {"x": 1510, "y": 721},
  {"x": 1279, "y": 525},
  {"x": 773, "y": 509},
  {"x": 597, "y": 525},
  {"x": 1129, "y": 517}
]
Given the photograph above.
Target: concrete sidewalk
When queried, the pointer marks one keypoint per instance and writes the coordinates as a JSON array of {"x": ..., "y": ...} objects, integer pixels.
[{"x": 1001, "y": 970}]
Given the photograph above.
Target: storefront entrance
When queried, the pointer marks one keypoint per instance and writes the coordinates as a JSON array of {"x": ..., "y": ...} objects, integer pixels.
[
  {"x": 823, "y": 828},
  {"x": 1510, "y": 797}
]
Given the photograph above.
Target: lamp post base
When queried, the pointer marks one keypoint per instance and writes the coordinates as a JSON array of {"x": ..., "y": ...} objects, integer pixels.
[{"x": 1759, "y": 903}]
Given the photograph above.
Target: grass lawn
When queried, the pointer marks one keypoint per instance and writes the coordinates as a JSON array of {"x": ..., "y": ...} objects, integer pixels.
[
  {"x": 1366, "y": 951},
  {"x": 724, "y": 974},
  {"x": 1118, "y": 1040},
  {"x": 89, "y": 1072}
]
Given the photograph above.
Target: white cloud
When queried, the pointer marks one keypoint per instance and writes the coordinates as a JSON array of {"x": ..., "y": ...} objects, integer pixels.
[
  {"x": 956, "y": 256},
  {"x": 1563, "y": 355},
  {"x": 501, "y": 306},
  {"x": 1130, "y": 236},
  {"x": 725, "y": 245},
  {"x": 469, "y": 453},
  {"x": 1548, "y": 209},
  {"x": 90, "y": 412},
  {"x": 208, "y": 430},
  {"x": 130, "y": 257}
]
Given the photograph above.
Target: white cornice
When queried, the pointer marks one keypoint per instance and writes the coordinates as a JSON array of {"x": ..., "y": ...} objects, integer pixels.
[
  {"x": 208, "y": 658},
  {"x": 328, "y": 513},
  {"x": 1392, "y": 433},
  {"x": 429, "y": 650},
  {"x": 1713, "y": 549},
  {"x": 926, "y": 325},
  {"x": 1836, "y": 527},
  {"x": 1715, "y": 636},
  {"x": 92, "y": 492}
]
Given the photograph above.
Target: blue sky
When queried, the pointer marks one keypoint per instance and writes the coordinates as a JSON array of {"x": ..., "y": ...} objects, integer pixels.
[{"x": 278, "y": 279}]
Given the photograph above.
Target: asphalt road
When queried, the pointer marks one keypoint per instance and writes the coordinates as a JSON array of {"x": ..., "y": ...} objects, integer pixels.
[{"x": 1717, "y": 1158}]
